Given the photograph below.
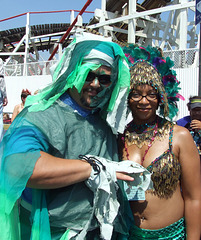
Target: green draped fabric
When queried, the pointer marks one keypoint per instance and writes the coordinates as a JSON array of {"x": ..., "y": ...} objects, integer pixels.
[
  {"x": 65, "y": 134},
  {"x": 48, "y": 124},
  {"x": 70, "y": 71}
]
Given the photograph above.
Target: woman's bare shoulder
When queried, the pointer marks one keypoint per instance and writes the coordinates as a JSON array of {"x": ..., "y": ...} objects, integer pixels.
[
  {"x": 182, "y": 137},
  {"x": 181, "y": 131}
]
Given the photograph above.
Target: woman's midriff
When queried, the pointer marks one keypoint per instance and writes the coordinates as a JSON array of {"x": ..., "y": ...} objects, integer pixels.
[{"x": 155, "y": 212}]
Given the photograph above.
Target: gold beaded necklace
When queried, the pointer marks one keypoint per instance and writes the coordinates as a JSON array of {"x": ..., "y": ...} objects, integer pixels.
[{"x": 145, "y": 134}]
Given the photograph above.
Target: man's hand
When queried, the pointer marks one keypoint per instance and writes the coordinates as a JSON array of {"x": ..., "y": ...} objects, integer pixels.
[
  {"x": 196, "y": 124},
  {"x": 123, "y": 176},
  {"x": 5, "y": 101}
]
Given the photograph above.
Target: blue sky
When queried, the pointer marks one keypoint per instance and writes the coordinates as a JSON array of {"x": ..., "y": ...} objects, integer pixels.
[{"x": 12, "y": 8}]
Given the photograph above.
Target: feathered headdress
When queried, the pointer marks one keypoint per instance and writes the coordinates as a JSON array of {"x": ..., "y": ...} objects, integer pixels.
[{"x": 148, "y": 66}]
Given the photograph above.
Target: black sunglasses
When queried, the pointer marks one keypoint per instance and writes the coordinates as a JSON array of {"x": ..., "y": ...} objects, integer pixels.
[{"x": 103, "y": 79}]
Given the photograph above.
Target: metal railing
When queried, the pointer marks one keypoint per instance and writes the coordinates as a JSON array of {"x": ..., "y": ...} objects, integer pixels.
[
  {"x": 182, "y": 59},
  {"x": 32, "y": 68}
]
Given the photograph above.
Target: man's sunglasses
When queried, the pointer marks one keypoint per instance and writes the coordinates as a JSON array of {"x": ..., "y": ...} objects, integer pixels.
[{"x": 103, "y": 79}]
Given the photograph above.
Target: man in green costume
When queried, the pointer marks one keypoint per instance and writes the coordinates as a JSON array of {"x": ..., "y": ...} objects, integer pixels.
[{"x": 42, "y": 175}]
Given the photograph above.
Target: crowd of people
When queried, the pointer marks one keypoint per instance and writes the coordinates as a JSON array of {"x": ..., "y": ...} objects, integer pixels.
[
  {"x": 7, "y": 118},
  {"x": 71, "y": 166}
]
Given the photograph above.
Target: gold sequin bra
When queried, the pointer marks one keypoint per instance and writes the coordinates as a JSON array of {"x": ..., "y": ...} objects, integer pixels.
[{"x": 165, "y": 169}]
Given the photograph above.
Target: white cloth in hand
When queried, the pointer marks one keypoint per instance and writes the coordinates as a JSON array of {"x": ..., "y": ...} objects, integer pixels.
[{"x": 104, "y": 185}]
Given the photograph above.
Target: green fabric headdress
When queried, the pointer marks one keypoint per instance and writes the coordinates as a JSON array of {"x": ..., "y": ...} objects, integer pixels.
[
  {"x": 73, "y": 68},
  {"x": 147, "y": 66}
]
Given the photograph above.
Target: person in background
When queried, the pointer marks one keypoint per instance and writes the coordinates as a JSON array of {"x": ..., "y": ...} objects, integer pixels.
[
  {"x": 18, "y": 108},
  {"x": 193, "y": 121},
  {"x": 50, "y": 154},
  {"x": 3, "y": 103},
  {"x": 6, "y": 118},
  {"x": 171, "y": 209}
]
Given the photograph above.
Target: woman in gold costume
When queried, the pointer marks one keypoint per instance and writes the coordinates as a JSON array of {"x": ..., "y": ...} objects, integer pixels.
[{"x": 171, "y": 209}]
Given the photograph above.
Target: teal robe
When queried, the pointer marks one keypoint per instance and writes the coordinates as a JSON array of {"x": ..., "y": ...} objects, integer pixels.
[{"x": 61, "y": 132}]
